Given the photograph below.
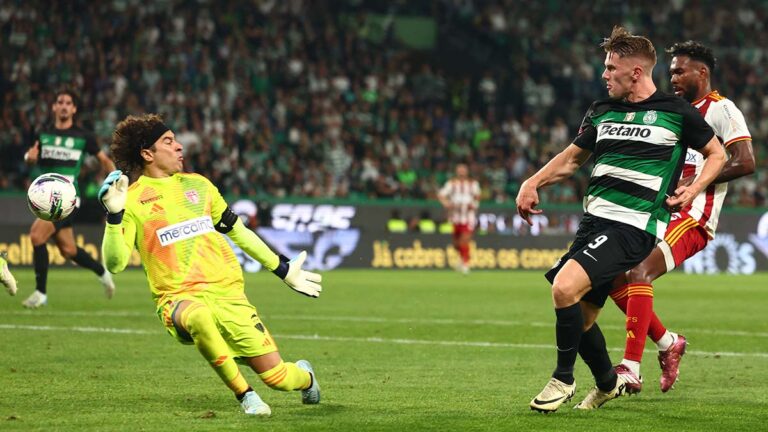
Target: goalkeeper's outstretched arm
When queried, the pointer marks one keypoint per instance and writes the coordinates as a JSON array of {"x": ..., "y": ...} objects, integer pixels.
[
  {"x": 119, "y": 233},
  {"x": 117, "y": 245},
  {"x": 290, "y": 271},
  {"x": 253, "y": 245}
]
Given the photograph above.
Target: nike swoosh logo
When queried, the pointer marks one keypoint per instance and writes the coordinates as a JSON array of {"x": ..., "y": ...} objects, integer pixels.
[
  {"x": 590, "y": 255},
  {"x": 541, "y": 402}
]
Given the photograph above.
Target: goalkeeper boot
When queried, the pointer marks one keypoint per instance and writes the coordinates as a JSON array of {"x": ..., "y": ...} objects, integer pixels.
[
  {"x": 555, "y": 393},
  {"x": 253, "y": 405},
  {"x": 36, "y": 300},
  {"x": 669, "y": 361},
  {"x": 108, "y": 283},
  {"x": 596, "y": 397},
  {"x": 312, "y": 394},
  {"x": 6, "y": 278}
]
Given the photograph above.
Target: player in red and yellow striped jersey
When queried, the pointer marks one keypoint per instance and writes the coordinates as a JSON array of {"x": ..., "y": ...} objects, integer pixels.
[{"x": 176, "y": 221}]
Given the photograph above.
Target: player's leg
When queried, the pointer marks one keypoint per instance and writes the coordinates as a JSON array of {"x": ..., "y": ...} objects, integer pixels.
[
  {"x": 639, "y": 295},
  {"x": 592, "y": 349},
  {"x": 620, "y": 297},
  {"x": 671, "y": 346},
  {"x": 194, "y": 321},
  {"x": 6, "y": 278},
  {"x": 569, "y": 284},
  {"x": 39, "y": 233},
  {"x": 465, "y": 237},
  {"x": 455, "y": 242},
  {"x": 287, "y": 376},
  {"x": 250, "y": 340},
  {"x": 65, "y": 240}
]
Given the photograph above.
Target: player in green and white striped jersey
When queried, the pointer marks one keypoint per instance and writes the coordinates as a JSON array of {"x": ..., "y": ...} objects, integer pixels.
[
  {"x": 638, "y": 138},
  {"x": 61, "y": 148}
]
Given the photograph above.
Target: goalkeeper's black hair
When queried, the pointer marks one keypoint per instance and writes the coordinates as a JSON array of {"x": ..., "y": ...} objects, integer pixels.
[
  {"x": 696, "y": 51},
  {"x": 132, "y": 135}
]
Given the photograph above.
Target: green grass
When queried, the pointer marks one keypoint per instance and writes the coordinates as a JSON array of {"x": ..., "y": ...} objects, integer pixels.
[{"x": 404, "y": 351}]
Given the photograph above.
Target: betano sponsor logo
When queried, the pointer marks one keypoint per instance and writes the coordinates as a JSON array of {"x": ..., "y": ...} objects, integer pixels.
[
  {"x": 60, "y": 153},
  {"x": 185, "y": 230},
  {"x": 611, "y": 130}
]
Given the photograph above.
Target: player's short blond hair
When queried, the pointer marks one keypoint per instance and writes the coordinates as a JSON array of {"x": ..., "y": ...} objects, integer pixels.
[{"x": 625, "y": 44}]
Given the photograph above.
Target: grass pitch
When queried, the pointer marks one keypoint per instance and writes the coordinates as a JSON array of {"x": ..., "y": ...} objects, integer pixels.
[{"x": 404, "y": 351}]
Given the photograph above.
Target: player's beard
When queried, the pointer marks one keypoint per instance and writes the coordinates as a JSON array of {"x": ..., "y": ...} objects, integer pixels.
[
  {"x": 690, "y": 93},
  {"x": 63, "y": 118}
]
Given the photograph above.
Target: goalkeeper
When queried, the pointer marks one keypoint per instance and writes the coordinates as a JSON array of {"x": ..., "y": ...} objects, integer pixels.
[{"x": 174, "y": 220}]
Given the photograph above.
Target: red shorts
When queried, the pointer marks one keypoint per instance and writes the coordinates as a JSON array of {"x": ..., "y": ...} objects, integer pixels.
[
  {"x": 684, "y": 238},
  {"x": 459, "y": 229}
]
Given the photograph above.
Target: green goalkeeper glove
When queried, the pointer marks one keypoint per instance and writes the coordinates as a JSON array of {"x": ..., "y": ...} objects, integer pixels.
[
  {"x": 112, "y": 196},
  {"x": 301, "y": 281}
]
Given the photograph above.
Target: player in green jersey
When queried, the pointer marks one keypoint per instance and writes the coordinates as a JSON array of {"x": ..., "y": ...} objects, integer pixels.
[
  {"x": 638, "y": 139},
  {"x": 61, "y": 148},
  {"x": 176, "y": 221}
]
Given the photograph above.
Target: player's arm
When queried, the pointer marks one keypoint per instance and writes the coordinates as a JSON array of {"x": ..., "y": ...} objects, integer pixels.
[
  {"x": 559, "y": 168},
  {"x": 226, "y": 222},
  {"x": 729, "y": 124},
  {"x": 119, "y": 233},
  {"x": 740, "y": 163},
  {"x": 31, "y": 156},
  {"x": 117, "y": 244},
  {"x": 107, "y": 165},
  {"x": 289, "y": 271},
  {"x": 443, "y": 194},
  {"x": 713, "y": 163}
]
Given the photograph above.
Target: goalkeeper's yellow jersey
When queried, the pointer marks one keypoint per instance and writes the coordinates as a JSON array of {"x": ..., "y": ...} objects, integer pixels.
[{"x": 171, "y": 222}]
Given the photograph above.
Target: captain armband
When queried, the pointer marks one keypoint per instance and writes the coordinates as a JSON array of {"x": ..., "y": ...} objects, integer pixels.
[{"x": 227, "y": 221}]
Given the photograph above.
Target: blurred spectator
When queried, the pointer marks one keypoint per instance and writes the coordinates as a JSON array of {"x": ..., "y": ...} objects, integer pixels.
[{"x": 316, "y": 99}]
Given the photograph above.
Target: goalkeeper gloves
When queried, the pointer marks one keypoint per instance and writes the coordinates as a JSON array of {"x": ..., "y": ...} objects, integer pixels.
[
  {"x": 112, "y": 196},
  {"x": 301, "y": 281}
]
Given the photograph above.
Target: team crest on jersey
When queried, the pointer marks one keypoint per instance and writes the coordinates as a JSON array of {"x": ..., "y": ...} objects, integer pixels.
[
  {"x": 192, "y": 196},
  {"x": 629, "y": 117},
  {"x": 650, "y": 117}
]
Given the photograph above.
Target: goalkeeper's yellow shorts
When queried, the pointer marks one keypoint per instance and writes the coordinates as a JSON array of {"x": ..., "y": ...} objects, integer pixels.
[{"x": 236, "y": 319}]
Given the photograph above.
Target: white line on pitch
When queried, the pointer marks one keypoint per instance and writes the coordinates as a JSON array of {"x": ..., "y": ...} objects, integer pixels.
[
  {"x": 360, "y": 340},
  {"x": 422, "y": 321}
]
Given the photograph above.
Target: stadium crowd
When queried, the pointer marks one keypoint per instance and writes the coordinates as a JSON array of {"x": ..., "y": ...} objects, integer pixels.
[{"x": 327, "y": 99}]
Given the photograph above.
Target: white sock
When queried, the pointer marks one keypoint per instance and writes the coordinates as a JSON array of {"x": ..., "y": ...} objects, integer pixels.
[
  {"x": 632, "y": 365},
  {"x": 666, "y": 341}
]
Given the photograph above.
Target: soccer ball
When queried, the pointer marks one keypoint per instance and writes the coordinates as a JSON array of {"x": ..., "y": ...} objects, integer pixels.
[{"x": 52, "y": 197}]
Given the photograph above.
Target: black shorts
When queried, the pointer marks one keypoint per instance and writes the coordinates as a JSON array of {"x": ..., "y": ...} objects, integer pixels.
[
  {"x": 605, "y": 249},
  {"x": 67, "y": 221}
]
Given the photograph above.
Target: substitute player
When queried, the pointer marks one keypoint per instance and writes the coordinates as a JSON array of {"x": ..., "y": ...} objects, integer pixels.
[
  {"x": 638, "y": 137},
  {"x": 175, "y": 220},
  {"x": 460, "y": 196},
  {"x": 692, "y": 227},
  {"x": 61, "y": 148}
]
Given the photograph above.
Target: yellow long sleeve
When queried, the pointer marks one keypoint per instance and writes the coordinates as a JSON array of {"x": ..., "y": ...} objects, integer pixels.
[
  {"x": 117, "y": 245},
  {"x": 253, "y": 245}
]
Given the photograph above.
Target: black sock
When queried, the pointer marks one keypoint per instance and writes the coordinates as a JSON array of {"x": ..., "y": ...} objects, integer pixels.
[
  {"x": 84, "y": 259},
  {"x": 568, "y": 330},
  {"x": 594, "y": 353},
  {"x": 40, "y": 260},
  {"x": 240, "y": 396}
]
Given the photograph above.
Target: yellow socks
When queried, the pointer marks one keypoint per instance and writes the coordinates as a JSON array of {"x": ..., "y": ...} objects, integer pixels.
[{"x": 286, "y": 377}]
